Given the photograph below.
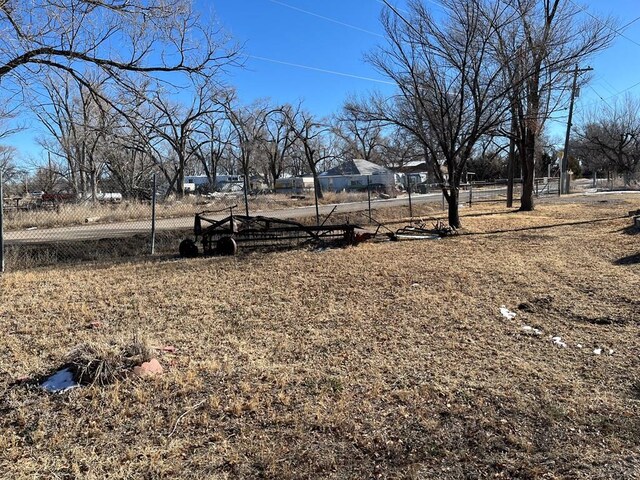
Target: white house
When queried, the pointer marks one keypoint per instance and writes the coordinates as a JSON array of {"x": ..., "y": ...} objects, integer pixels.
[
  {"x": 356, "y": 175},
  {"x": 294, "y": 185},
  {"x": 193, "y": 182}
]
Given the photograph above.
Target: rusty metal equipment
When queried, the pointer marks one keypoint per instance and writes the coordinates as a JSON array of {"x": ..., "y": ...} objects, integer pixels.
[
  {"x": 227, "y": 235},
  {"x": 420, "y": 232}
]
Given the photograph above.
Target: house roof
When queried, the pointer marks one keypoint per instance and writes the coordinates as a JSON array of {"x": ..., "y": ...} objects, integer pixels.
[{"x": 356, "y": 167}]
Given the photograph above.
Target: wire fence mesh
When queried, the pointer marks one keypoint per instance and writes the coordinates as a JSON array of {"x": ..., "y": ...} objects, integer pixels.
[{"x": 43, "y": 229}]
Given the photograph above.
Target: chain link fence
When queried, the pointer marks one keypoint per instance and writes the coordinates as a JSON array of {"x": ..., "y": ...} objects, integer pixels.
[
  {"x": 43, "y": 229},
  {"x": 615, "y": 182}
]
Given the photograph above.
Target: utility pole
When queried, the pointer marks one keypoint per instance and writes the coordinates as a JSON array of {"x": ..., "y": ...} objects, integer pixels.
[{"x": 564, "y": 170}]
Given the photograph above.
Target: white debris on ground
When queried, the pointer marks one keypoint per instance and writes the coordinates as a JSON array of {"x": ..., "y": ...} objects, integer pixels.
[
  {"x": 531, "y": 330},
  {"x": 556, "y": 340},
  {"x": 61, "y": 381},
  {"x": 506, "y": 313},
  {"x": 600, "y": 351}
]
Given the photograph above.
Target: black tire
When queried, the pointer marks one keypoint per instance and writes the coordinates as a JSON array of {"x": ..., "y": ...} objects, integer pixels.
[
  {"x": 226, "y": 246},
  {"x": 188, "y": 248}
]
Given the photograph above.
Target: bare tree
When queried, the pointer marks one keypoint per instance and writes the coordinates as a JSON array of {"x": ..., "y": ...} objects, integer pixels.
[
  {"x": 612, "y": 134},
  {"x": 8, "y": 166},
  {"x": 78, "y": 123},
  {"x": 314, "y": 139},
  {"x": 278, "y": 141},
  {"x": 360, "y": 138},
  {"x": 399, "y": 148},
  {"x": 174, "y": 127},
  {"x": 451, "y": 91},
  {"x": 539, "y": 47},
  {"x": 119, "y": 38},
  {"x": 212, "y": 144},
  {"x": 248, "y": 123}
]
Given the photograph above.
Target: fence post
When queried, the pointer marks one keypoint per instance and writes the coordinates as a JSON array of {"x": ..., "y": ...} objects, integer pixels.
[
  {"x": 316, "y": 185},
  {"x": 246, "y": 194},
  {"x": 1, "y": 225},
  {"x": 153, "y": 216},
  {"x": 410, "y": 203},
  {"x": 369, "y": 195},
  {"x": 470, "y": 194}
]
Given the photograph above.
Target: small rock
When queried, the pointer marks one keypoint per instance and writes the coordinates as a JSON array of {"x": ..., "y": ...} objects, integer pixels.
[
  {"x": 152, "y": 367},
  {"x": 558, "y": 342},
  {"x": 597, "y": 351}
]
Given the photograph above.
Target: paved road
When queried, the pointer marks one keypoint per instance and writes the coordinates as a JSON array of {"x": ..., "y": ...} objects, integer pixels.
[{"x": 126, "y": 229}]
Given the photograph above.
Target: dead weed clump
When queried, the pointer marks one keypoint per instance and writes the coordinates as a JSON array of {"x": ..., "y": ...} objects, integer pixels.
[{"x": 95, "y": 364}]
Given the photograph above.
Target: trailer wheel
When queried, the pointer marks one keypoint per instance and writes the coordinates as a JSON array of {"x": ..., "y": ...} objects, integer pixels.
[
  {"x": 188, "y": 248},
  {"x": 226, "y": 246}
]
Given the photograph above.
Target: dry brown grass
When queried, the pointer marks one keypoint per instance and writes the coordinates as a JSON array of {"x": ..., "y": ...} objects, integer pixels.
[{"x": 387, "y": 360}]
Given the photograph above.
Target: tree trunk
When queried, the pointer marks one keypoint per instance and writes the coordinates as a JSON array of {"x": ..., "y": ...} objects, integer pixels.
[
  {"x": 316, "y": 181},
  {"x": 179, "y": 186},
  {"x": 246, "y": 193},
  {"x": 453, "y": 200},
  {"x": 528, "y": 170},
  {"x": 528, "y": 161},
  {"x": 94, "y": 185}
]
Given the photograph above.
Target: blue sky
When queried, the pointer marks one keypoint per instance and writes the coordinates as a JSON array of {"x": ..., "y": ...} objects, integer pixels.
[
  {"x": 334, "y": 35},
  {"x": 281, "y": 31},
  {"x": 294, "y": 31}
]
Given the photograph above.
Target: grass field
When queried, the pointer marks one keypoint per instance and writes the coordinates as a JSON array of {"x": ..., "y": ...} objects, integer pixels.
[{"x": 386, "y": 360}]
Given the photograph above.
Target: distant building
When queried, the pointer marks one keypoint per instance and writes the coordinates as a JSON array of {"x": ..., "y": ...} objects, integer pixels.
[
  {"x": 356, "y": 175},
  {"x": 294, "y": 185},
  {"x": 193, "y": 183}
]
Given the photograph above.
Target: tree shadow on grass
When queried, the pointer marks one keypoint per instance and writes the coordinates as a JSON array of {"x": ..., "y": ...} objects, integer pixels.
[
  {"x": 629, "y": 260},
  {"x": 631, "y": 230},
  {"x": 545, "y": 227}
]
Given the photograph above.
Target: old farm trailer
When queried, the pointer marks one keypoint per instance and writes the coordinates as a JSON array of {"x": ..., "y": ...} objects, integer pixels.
[{"x": 234, "y": 232}]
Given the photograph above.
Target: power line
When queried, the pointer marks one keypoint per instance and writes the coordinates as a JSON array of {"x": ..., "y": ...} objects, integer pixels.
[
  {"x": 613, "y": 96},
  {"x": 328, "y": 19},
  {"x": 323, "y": 70},
  {"x": 606, "y": 84},
  {"x": 599, "y": 96},
  {"x": 624, "y": 27},
  {"x": 617, "y": 32}
]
